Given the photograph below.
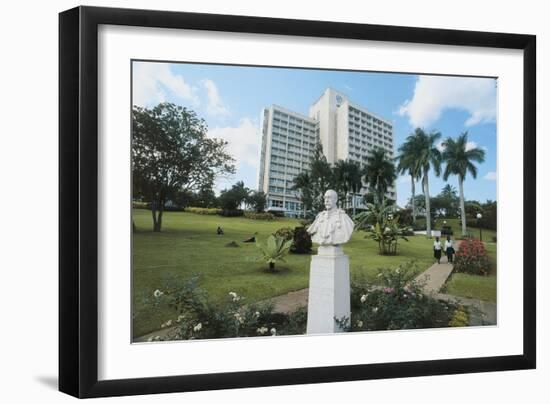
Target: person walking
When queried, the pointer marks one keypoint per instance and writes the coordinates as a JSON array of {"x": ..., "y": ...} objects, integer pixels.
[
  {"x": 449, "y": 249},
  {"x": 437, "y": 250}
]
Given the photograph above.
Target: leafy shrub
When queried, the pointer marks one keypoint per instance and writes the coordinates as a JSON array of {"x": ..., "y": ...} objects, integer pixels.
[
  {"x": 398, "y": 303},
  {"x": 446, "y": 230},
  {"x": 203, "y": 211},
  {"x": 460, "y": 318},
  {"x": 471, "y": 257},
  {"x": 301, "y": 241},
  {"x": 140, "y": 205},
  {"x": 285, "y": 232},
  {"x": 259, "y": 215},
  {"x": 273, "y": 250},
  {"x": 231, "y": 212},
  {"x": 198, "y": 317}
]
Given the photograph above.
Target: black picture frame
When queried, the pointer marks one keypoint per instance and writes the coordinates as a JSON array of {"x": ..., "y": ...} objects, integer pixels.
[{"x": 78, "y": 200}]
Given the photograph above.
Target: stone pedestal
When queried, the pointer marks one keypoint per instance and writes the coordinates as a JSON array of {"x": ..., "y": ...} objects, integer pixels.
[{"x": 329, "y": 290}]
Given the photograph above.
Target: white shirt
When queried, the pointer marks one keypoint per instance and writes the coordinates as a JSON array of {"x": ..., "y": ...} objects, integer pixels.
[
  {"x": 437, "y": 245},
  {"x": 448, "y": 243}
]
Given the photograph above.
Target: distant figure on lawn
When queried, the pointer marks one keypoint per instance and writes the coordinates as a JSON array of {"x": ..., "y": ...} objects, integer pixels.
[
  {"x": 437, "y": 250},
  {"x": 219, "y": 230},
  {"x": 449, "y": 249},
  {"x": 251, "y": 239}
]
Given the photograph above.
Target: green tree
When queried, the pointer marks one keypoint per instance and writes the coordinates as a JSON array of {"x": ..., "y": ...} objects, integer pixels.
[
  {"x": 321, "y": 176},
  {"x": 257, "y": 200},
  {"x": 409, "y": 164},
  {"x": 429, "y": 157},
  {"x": 171, "y": 152},
  {"x": 303, "y": 184},
  {"x": 347, "y": 179},
  {"x": 380, "y": 174},
  {"x": 460, "y": 159},
  {"x": 233, "y": 198}
]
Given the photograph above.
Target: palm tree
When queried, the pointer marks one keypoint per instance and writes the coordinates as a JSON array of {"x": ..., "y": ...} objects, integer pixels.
[
  {"x": 408, "y": 164},
  {"x": 428, "y": 157},
  {"x": 380, "y": 173},
  {"x": 347, "y": 176},
  {"x": 460, "y": 160},
  {"x": 302, "y": 183}
]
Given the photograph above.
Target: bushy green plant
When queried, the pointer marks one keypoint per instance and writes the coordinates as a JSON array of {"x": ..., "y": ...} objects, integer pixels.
[
  {"x": 301, "y": 241},
  {"x": 285, "y": 232},
  {"x": 259, "y": 215},
  {"x": 471, "y": 257},
  {"x": 383, "y": 226},
  {"x": 231, "y": 212},
  {"x": 203, "y": 211},
  {"x": 198, "y": 317},
  {"x": 273, "y": 250},
  {"x": 398, "y": 302},
  {"x": 460, "y": 318}
]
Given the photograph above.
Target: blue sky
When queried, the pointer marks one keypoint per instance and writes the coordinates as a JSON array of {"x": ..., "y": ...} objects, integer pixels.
[{"x": 230, "y": 99}]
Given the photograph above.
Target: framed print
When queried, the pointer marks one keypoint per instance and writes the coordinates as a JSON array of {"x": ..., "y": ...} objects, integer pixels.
[{"x": 250, "y": 201}]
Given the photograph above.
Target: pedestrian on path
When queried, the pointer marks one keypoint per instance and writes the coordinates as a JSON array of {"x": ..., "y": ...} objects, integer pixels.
[
  {"x": 437, "y": 250},
  {"x": 449, "y": 249}
]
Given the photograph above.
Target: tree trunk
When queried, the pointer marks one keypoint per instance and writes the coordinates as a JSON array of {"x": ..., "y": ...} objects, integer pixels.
[
  {"x": 462, "y": 208},
  {"x": 427, "y": 197},
  {"x": 272, "y": 266},
  {"x": 413, "y": 200},
  {"x": 157, "y": 208}
]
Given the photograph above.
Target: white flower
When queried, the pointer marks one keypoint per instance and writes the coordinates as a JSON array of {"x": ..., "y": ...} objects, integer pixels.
[
  {"x": 180, "y": 317},
  {"x": 397, "y": 270},
  {"x": 380, "y": 274},
  {"x": 273, "y": 331},
  {"x": 150, "y": 339},
  {"x": 157, "y": 293},
  {"x": 375, "y": 309},
  {"x": 198, "y": 327},
  {"x": 359, "y": 323},
  {"x": 233, "y": 294},
  {"x": 257, "y": 314},
  {"x": 262, "y": 330},
  {"x": 363, "y": 298},
  {"x": 167, "y": 324}
]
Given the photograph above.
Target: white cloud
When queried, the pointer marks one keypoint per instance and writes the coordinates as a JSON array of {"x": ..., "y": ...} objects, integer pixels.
[
  {"x": 440, "y": 146},
  {"x": 491, "y": 175},
  {"x": 152, "y": 82},
  {"x": 215, "y": 106},
  {"x": 243, "y": 141},
  {"x": 434, "y": 94}
]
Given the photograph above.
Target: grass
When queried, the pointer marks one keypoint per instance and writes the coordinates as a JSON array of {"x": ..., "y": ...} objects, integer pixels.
[
  {"x": 473, "y": 286},
  {"x": 476, "y": 286},
  {"x": 188, "y": 245},
  {"x": 486, "y": 234}
]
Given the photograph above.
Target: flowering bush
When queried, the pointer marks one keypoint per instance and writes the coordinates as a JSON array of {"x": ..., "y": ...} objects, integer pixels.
[
  {"x": 397, "y": 303},
  {"x": 472, "y": 258},
  {"x": 197, "y": 317}
]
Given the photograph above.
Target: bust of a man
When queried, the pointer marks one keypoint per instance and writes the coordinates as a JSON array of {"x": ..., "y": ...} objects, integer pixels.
[{"x": 332, "y": 226}]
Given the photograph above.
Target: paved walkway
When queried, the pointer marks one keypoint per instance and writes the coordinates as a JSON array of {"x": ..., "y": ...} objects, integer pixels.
[{"x": 435, "y": 277}]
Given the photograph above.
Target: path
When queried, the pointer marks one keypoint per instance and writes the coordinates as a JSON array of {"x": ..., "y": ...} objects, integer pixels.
[{"x": 435, "y": 277}]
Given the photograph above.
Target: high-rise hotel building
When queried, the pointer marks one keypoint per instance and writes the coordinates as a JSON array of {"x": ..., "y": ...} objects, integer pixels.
[{"x": 346, "y": 131}]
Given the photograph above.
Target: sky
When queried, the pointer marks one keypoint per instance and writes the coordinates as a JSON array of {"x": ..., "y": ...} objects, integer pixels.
[{"x": 230, "y": 99}]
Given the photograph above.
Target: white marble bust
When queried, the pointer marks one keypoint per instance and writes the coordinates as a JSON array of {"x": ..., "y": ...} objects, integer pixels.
[{"x": 332, "y": 227}]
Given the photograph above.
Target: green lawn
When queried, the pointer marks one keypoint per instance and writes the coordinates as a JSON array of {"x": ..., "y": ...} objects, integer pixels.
[
  {"x": 188, "y": 245},
  {"x": 473, "y": 286},
  {"x": 486, "y": 234}
]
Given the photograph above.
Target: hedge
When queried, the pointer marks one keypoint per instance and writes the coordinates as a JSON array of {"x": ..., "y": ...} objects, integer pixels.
[
  {"x": 203, "y": 211},
  {"x": 259, "y": 216}
]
